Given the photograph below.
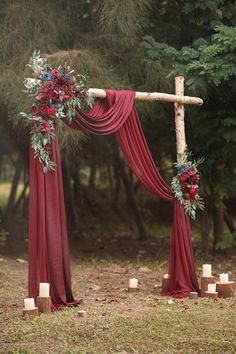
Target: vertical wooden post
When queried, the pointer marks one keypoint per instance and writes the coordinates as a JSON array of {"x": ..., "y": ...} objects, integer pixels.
[{"x": 179, "y": 116}]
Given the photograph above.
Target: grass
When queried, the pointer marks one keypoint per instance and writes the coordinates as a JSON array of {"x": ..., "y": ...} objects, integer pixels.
[
  {"x": 117, "y": 322},
  {"x": 183, "y": 327}
]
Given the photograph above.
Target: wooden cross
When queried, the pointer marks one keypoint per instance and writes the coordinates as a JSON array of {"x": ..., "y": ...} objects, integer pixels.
[{"x": 179, "y": 99}]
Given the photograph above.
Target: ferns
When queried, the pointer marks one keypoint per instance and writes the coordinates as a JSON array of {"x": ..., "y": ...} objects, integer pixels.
[{"x": 205, "y": 63}]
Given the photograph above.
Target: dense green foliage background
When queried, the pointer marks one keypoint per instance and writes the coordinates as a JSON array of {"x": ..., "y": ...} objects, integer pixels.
[{"x": 136, "y": 44}]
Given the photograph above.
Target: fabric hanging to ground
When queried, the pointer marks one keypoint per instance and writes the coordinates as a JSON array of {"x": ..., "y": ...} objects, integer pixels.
[{"x": 48, "y": 241}]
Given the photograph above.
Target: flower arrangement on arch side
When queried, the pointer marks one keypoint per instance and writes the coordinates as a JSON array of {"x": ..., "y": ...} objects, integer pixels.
[
  {"x": 56, "y": 95},
  {"x": 185, "y": 184}
]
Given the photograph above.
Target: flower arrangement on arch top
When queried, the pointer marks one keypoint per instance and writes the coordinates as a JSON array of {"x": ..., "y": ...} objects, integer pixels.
[
  {"x": 185, "y": 184},
  {"x": 56, "y": 95}
]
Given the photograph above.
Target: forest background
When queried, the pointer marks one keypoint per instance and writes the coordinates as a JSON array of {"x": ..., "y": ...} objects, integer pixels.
[{"x": 132, "y": 44}]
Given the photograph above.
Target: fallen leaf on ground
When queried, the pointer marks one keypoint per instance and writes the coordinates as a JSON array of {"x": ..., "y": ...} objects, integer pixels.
[
  {"x": 20, "y": 260},
  {"x": 95, "y": 288},
  {"x": 144, "y": 270}
]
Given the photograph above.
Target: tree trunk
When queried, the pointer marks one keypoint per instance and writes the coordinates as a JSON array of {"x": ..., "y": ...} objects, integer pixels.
[
  {"x": 13, "y": 192},
  {"x": 69, "y": 197},
  {"x": 218, "y": 225},
  {"x": 229, "y": 222},
  {"x": 117, "y": 189},
  {"x": 205, "y": 225},
  {"x": 92, "y": 176},
  {"x": 129, "y": 190},
  {"x": 21, "y": 197}
]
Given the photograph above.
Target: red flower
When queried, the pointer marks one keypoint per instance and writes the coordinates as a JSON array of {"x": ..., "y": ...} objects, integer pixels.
[
  {"x": 192, "y": 171},
  {"x": 54, "y": 72},
  {"x": 194, "y": 178},
  {"x": 184, "y": 186},
  {"x": 44, "y": 127},
  {"x": 60, "y": 81},
  {"x": 53, "y": 95},
  {"x": 186, "y": 196},
  {"x": 193, "y": 192},
  {"x": 46, "y": 124},
  {"x": 34, "y": 110},
  {"x": 48, "y": 85},
  {"x": 72, "y": 94},
  {"x": 42, "y": 97},
  {"x": 183, "y": 177},
  {"x": 66, "y": 98},
  {"x": 44, "y": 110},
  {"x": 51, "y": 111}
]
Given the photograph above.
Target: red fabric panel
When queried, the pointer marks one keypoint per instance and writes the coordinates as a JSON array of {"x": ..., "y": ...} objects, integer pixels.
[
  {"x": 131, "y": 139},
  {"x": 48, "y": 247},
  {"x": 104, "y": 119},
  {"x": 182, "y": 271}
]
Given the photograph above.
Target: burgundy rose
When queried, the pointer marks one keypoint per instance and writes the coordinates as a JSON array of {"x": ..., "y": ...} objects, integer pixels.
[
  {"x": 46, "y": 124},
  {"x": 53, "y": 95},
  {"x": 194, "y": 178},
  {"x": 184, "y": 186},
  {"x": 193, "y": 192},
  {"x": 34, "y": 110},
  {"x": 54, "y": 72},
  {"x": 44, "y": 127},
  {"x": 66, "y": 98},
  {"x": 60, "y": 81},
  {"x": 72, "y": 94},
  {"x": 44, "y": 110},
  {"x": 51, "y": 111},
  {"x": 48, "y": 85},
  {"x": 183, "y": 177},
  {"x": 42, "y": 97},
  {"x": 186, "y": 196},
  {"x": 192, "y": 171}
]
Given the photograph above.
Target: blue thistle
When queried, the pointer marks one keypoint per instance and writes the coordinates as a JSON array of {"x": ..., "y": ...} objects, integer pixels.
[
  {"x": 182, "y": 169},
  {"x": 77, "y": 90},
  {"x": 46, "y": 76}
]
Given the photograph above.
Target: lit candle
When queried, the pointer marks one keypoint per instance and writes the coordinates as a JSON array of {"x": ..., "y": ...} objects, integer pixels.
[
  {"x": 29, "y": 304},
  {"x": 206, "y": 270},
  {"x": 211, "y": 288},
  {"x": 44, "y": 290},
  {"x": 133, "y": 283},
  {"x": 224, "y": 278},
  {"x": 166, "y": 276}
]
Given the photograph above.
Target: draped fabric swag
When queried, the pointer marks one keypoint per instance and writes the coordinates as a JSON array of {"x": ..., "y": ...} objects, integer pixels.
[{"x": 48, "y": 245}]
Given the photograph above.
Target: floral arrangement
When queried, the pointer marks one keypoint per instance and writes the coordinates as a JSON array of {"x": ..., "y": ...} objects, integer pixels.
[
  {"x": 185, "y": 184},
  {"x": 56, "y": 94}
]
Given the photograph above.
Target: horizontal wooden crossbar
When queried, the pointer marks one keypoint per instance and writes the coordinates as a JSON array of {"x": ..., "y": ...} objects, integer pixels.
[{"x": 153, "y": 96}]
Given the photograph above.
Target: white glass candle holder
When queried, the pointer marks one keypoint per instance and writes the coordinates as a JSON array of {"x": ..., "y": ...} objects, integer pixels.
[
  {"x": 133, "y": 283},
  {"x": 206, "y": 270},
  {"x": 44, "y": 290},
  {"x": 29, "y": 304},
  {"x": 211, "y": 288},
  {"x": 224, "y": 278}
]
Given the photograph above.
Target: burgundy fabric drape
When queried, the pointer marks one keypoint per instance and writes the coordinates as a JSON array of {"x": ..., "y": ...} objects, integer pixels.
[
  {"x": 48, "y": 242},
  {"x": 48, "y": 238}
]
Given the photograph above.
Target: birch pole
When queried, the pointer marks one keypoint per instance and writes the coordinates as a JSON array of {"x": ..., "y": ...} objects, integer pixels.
[
  {"x": 179, "y": 117},
  {"x": 153, "y": 96}
]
